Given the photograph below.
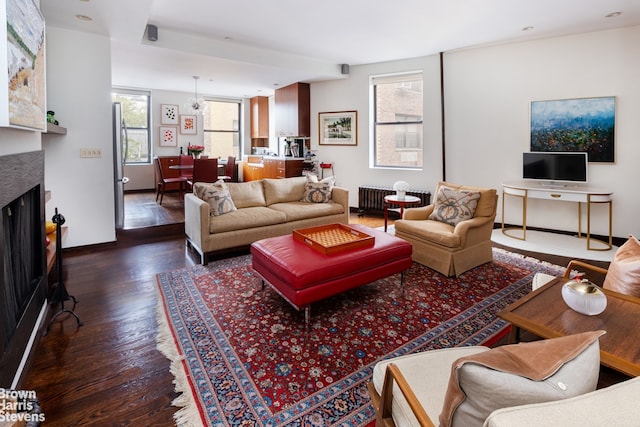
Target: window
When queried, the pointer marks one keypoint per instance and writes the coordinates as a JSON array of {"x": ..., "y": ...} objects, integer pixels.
[
  {"x": 222, "y": 128},
  {"x": 397, "y": 120},
  {"x": 135, "y": 112}
]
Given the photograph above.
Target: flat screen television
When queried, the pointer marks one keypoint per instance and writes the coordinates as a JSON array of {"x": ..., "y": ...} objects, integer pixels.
[{"x": 552, "y": 167}]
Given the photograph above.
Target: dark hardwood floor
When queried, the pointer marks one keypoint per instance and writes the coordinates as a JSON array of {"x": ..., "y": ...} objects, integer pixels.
[{"x": 108, "y": 372}]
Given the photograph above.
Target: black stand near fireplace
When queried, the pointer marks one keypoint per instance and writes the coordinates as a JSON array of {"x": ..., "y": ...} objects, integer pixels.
[{"x": 60, "y": 294}]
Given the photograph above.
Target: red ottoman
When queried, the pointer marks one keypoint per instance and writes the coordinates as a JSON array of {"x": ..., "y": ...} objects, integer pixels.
[{"x": 303, "y": 275}]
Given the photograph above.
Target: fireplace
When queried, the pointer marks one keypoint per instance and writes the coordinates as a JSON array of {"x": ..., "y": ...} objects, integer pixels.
[{"x": 23, "y": 283}]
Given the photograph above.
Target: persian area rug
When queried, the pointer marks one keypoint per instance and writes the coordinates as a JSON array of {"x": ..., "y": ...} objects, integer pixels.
[{"x": 243, "y": 357}]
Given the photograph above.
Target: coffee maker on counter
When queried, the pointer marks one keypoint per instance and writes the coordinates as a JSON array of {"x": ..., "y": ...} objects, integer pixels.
[{"x": 293, "y": 147}]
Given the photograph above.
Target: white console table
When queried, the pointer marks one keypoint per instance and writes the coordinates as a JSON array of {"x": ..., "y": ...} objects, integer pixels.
[{"x": 577, "y": 194}]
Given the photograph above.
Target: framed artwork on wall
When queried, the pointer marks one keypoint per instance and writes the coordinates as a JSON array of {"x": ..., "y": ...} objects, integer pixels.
[
  {"x": 338, "y": 128},
  {"x": 188, "y": 124},
  {"x": 168, "y": 136},
  {"x": 169, "y": 114},
  {"x": 24, "y": 65},
  {"x": 582, "y": 124}
]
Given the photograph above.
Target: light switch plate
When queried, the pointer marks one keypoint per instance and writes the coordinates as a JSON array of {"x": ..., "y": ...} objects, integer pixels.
[{"x": 90, "y": 152}]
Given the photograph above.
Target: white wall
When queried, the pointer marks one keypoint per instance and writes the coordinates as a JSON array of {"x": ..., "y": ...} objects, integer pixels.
[
  {"x": 487, "y": 96},
  {"x": 487, "y": 113},
  {"x": 14, "y": 141},
  {"x": 79, "y": 91},
  {"x": 351, "y": 164}
]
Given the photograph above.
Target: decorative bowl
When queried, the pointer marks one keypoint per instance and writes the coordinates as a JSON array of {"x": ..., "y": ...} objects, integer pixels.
[{"x": 584, "y": 297}]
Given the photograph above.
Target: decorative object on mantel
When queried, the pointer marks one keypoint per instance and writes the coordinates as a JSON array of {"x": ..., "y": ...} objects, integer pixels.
[
  {"x": 195, "y": 150},
  {"x": 401, "y": 188},
  {"x": 51, "y": 117},
  {"x": 195, "y": 105},
  {"x": 584, "y": 297}
]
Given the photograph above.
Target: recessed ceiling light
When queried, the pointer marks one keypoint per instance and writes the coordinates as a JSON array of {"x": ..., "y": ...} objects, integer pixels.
[
  {"x": 528, "y": 28},
  {"x": 84, "y": 18},
  {"x": 613, "y": 15}
]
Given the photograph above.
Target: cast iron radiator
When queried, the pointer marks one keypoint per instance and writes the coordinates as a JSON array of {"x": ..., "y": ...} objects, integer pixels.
[{"x": 371, "y": 198}]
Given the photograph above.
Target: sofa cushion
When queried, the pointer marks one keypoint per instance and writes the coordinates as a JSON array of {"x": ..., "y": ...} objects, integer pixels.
[
  {"x": 283, "y": 190},
  {"x": 216, "y": 195},
  {"x": 623, "y": 274},
  {"x": 296, "y": 211},
  {"x": 453, "y": 206},
  {"x": 518, "y": 374},
  {"x": 246, "y": 194},
  {"x": 318, "y": 192},
  {"x": 257, "y": 216},
  {"x": 430, "y": 231}
]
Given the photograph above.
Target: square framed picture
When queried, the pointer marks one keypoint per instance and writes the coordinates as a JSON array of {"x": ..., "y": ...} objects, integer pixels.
[
  {"x": 188, "y": 124},
  {"x": 168, "y": 136},
  {"x": 169, "y": 114},
  {"x": 338, "y": 128}
]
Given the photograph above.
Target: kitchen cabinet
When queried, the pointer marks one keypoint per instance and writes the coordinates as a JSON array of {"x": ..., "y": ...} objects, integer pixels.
[
  {"x": 293, "y": 110},
  {"x": 252, "y": 171},
  {"x": 271, "y": 167},
  {"x": 282, "y": 167},
  {"x": 259, "y": 117}
]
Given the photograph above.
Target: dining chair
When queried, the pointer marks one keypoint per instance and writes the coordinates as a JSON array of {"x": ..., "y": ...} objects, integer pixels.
[
  {"x": 204, "y": 170},
  {"x": 186, "y": 166},
  {"x": 230, "y": 170},
  {"x": 162, "y": 182}
]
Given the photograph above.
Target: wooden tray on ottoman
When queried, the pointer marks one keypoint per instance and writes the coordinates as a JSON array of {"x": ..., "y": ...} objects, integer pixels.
[{"x": 333, "y": 238}]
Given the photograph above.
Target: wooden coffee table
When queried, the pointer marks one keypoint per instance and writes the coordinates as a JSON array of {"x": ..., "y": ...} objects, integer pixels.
[{"x": 545, "y": 314}]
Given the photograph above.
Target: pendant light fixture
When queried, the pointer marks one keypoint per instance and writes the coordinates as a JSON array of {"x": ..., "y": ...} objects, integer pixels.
[{"x": 195, "y": 105}]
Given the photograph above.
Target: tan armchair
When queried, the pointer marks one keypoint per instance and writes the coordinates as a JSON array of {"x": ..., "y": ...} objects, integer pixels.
[{"x": 451, "y": 250}]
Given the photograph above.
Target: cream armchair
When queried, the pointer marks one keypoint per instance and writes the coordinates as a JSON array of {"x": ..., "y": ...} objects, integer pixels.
[
  {"x": 446, "y": 248},
  {"x": 472, "y": 386}
]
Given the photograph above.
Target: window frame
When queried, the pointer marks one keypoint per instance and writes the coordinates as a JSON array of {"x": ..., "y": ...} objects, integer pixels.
[
  {"x": 402, "y": 79},
  {"x": 147, "y": 94},
  {"x": 239, "y": 132}
]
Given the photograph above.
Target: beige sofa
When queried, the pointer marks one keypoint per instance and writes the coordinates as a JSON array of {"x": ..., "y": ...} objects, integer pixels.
[{"x": 265, "y": 208}]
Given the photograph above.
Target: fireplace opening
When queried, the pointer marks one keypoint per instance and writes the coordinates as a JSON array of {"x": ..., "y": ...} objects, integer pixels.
[{"x": 23, "y": 280}]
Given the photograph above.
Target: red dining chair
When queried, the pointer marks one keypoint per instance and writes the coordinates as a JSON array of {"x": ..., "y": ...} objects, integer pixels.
[
  {"x": 186, "y": 166},
  {"x": 230, "y": 170},
  {"x": 204, "y": 170},
  {"x": 163, "y": 182}
]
